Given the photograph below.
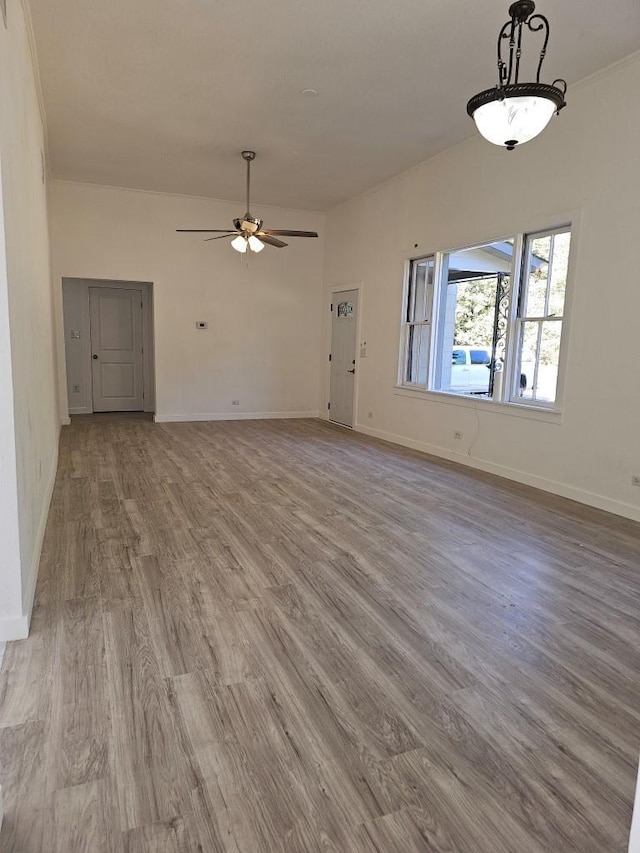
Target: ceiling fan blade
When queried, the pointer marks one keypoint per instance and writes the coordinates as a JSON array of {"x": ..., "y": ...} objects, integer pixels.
[
  {"x": 289, "y": 233},
  {"x": 219, "y": 237},
  {"x": 204, "y": 231},
  {"x": 272, "y": 241}
]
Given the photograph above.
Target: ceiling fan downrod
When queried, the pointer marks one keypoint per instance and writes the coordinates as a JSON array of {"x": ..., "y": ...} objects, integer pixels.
[{"x": 248, "y": 156}]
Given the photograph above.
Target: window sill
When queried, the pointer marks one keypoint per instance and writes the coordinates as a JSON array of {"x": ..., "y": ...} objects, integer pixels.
[{"x": 518, "y": 410}]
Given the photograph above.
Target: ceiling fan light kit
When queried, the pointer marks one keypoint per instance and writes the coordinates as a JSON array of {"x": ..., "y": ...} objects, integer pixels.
[
  {"x": 240, "y": 243},
  {"x": 513, "y": 113},
  {"x": 254, "y": 244},
  {"x": 249, "y": 235}
]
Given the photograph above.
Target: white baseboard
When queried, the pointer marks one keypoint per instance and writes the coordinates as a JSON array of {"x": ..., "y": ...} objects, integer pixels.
[
  {"x": 65, "y": 420},
  {"x": 553, "y": 486},
  {"x": 14, "y": 628},
  {"x": 231, "y": 416},
  {"x": 17, "y": 627}
]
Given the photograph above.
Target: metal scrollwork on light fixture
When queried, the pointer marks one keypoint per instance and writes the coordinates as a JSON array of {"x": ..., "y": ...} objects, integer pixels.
[{"x": 513, "y": 112}]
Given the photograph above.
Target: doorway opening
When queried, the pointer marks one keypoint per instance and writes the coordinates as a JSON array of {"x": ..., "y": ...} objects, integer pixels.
[{"x": 108, "y": 331}]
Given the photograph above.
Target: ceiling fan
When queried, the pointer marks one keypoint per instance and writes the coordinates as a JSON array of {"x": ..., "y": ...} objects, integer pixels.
[{"x": 250, "y": 235}]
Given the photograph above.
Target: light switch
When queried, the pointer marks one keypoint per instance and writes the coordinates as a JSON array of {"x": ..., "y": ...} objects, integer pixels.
[{"x": 201, "y": 324}]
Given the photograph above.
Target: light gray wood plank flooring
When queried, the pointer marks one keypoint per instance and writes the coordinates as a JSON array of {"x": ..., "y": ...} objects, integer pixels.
[{"x": 282, "y": 636}]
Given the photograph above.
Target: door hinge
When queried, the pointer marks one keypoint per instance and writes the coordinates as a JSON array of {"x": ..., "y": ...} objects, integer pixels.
[
  {"x": 331, "y": 309},
  {"x": 329, "y": 356},
  {"x": 141, "y": 304},
  {"x": 328, "y": 405}
]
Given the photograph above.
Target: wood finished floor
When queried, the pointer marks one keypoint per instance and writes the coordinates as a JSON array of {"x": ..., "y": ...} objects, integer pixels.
[{"x": 282, "y": 636}]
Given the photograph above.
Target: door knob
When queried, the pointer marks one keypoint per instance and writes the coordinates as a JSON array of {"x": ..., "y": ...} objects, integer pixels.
[
  {"x": 351, "y": 371},
  {"x": 95, "y": 356}
]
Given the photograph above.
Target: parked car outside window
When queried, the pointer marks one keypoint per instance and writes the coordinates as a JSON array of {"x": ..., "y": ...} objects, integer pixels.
[{"x": 470, "y": 370}]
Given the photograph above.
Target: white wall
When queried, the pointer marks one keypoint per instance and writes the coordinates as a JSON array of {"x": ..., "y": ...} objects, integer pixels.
[
  {"x": 585, "y": 167},
  {"x": 29, "y": 419},
  {"x": 75, "y": 309},
  {"x": 10, "y": 570},
  {"x": 262, "y": 346}
]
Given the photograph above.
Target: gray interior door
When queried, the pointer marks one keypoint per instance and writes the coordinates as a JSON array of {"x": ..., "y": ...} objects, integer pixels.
[
  {"x": 116, "y": 349},
  {"x": 344, "y": 326}
]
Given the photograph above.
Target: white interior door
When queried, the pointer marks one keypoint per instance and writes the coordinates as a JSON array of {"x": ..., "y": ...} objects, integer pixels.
[
  {"x": 344, "y": 327},
  {"x": 116, "y": 349}
]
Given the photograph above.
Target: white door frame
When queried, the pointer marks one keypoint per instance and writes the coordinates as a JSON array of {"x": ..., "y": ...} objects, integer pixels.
[
  {"x": 83, "y": 324},
  {"x": 336, "y": 288}
]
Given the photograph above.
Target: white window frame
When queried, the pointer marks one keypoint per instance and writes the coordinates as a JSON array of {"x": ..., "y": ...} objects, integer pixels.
[
  {"x": 517, "y": 318},
  {"x": 409, "y": 310},
  {"x": 509, "y": 396}
]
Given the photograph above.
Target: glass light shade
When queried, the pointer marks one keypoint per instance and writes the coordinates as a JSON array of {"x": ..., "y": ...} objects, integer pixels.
[
  {"x": 512, "y": 121},
  {"x": 239, "y": 243},
  {"x": 255, "y": 245}
]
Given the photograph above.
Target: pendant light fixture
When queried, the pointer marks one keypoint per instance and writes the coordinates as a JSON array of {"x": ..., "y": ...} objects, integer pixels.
[{"x": 514, "y": 112}]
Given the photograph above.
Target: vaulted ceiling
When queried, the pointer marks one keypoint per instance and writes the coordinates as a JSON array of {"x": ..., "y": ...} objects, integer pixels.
[{"x": 164, "y": 94}]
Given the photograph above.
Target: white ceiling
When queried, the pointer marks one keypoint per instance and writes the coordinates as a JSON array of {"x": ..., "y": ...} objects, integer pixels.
[{"x": 164, "y": 94}]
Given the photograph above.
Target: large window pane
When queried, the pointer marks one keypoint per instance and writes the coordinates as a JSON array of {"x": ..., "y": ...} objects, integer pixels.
[
  {"x": 417, "y": 354},
  {"x": 472, "y": 321},
  {"x": 540, "y": 358},
  {"x": 536, "y": 285},
  {"x": 528, "y": 357},
  {"x": 561, "y": 246},
  {"x": 420, "y": 284}
]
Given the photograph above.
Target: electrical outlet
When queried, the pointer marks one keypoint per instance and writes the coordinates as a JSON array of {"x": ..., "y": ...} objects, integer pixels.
[
  {"x": 635, "y": 479},
  {"x": 370, "y": 415},
  {"x": 235, "y": 402},
  {"x": 76, "y": 389},
  {"x": 457, "y": 435}
]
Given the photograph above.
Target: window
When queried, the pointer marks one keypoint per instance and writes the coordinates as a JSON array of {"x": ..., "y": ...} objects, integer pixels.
[
  {"x": 418, "y": 310},
  {"x": 541, "y": 313},
  {"x": 479, "y": 323},
  {"x": 472, "y": 316}
]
